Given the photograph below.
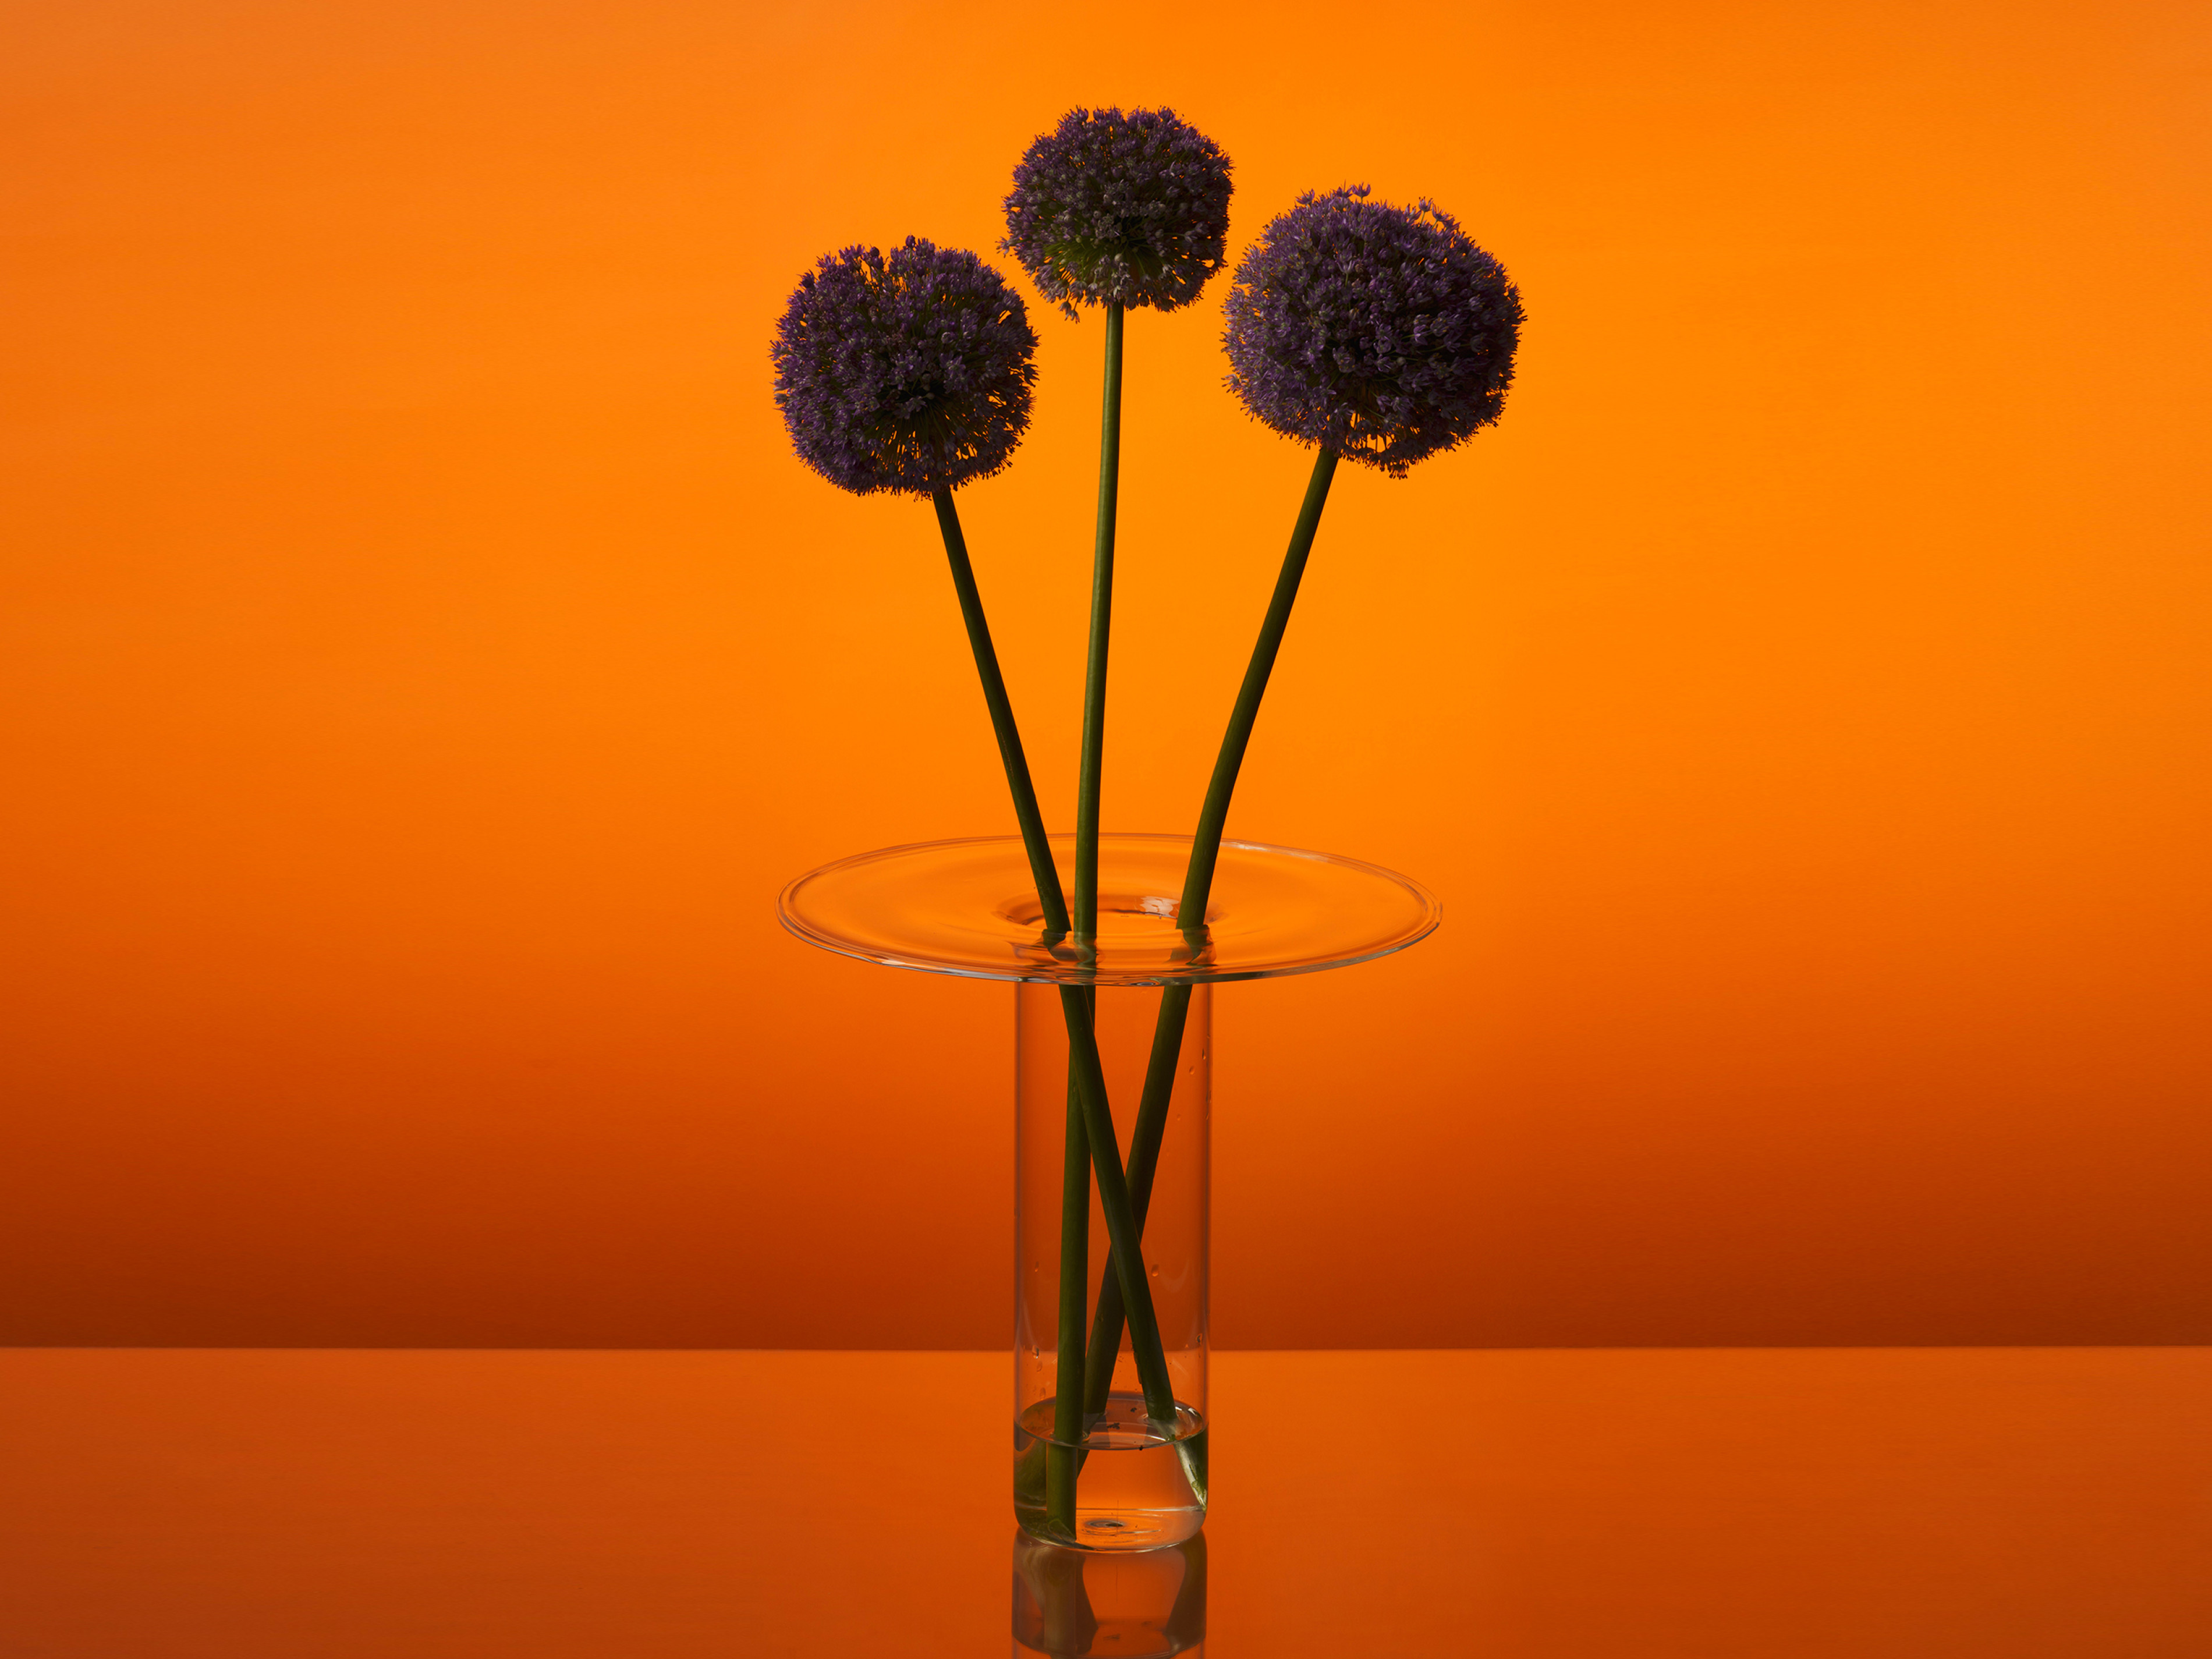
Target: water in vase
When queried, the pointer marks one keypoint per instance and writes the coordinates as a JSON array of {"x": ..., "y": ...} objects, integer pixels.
[{"x": 1140, "y": 1488}]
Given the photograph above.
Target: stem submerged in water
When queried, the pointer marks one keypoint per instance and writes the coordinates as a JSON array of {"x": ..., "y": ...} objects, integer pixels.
[{"x": 1061, "y": 1462}]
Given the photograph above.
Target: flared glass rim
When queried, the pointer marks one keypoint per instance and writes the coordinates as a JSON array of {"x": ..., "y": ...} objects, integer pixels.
[{"x": 966, "y": 907}]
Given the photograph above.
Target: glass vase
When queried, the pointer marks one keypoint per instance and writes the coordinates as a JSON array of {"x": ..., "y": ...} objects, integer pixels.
[
  {"x": 1110, "y": 1407},
  {"x": 1139, "y": 1482}
]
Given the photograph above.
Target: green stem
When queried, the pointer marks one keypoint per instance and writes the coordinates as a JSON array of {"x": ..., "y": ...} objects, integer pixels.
[
  {"x": 1121, "y": 1228},
  {"x": 1093, "y": 760},
  {"x": 1061, "y": 1459},
  {"x": 1205, "y": 845},
  {"x": 1145, "y": 1134},
  {"x": 1069, "y": 1423},
  {"x": 1042, "y": 869},
  {"x": 1145, "y": 1137}
]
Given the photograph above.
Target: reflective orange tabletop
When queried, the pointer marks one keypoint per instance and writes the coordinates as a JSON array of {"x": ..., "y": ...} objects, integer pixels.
[{"x": 1788, "y": 1505}]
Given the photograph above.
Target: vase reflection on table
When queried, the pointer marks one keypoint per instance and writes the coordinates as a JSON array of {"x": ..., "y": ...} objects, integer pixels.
[
  {"x": 1135, "y": 1464},
  {"x": 1071, "y": 1604}
]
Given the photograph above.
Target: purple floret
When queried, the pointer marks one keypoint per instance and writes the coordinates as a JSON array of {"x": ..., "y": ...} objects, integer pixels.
[
  {"x": 904, "y": 373},
  {"x": 1108, "y": 207},
  {"x": 1381, "y": 331}
]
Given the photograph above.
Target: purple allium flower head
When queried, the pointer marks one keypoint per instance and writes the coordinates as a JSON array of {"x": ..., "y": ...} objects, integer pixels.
[
  {"x": 1110, "y": 207},
  {"x": 904, "y": 373},
  {"x": 1382, "y": 331}
]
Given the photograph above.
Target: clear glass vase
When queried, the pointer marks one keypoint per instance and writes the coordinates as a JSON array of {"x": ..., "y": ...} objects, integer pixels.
[
  {"x": 1110, "y": 1410},
  {"x": 1139, "y": 1482}
]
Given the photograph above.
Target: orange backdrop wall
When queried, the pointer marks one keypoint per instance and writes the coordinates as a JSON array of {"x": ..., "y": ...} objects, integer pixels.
[{"x": 423, "y": 662}]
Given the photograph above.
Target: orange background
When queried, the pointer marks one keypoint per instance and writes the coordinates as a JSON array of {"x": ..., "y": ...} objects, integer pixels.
[{"x": 423, "y": 662}]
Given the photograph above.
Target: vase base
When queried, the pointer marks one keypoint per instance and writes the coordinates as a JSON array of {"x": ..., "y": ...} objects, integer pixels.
[
  {"x": 1139, "y": 1486},
  {"x": 1118, "y": 1531}
]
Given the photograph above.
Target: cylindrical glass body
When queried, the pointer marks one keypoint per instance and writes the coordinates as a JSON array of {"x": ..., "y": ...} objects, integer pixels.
[{"x": 1138, "y": 1483}]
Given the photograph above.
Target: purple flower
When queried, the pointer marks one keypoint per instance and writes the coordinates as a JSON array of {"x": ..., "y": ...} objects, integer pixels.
[
  {"x": 1112, "y": 208},
  {"x": 1381, "y": 331},
  {"x": 907, "y": 373}
]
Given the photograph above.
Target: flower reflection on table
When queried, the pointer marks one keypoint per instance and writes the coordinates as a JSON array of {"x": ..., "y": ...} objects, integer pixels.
[{"x": 1082, "y": 1604}]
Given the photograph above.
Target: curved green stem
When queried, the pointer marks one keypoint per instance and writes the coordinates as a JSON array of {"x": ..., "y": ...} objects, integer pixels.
[
  {"x": 1042, "y": 869},
  {"x": 1061, "y": 1454},
  {"x": 1214, "y": 816},
  {"x": 1145, "y": 1134}
]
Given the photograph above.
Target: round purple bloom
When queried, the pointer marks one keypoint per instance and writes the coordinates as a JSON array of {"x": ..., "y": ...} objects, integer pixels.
[
  {"x": 1381, "y": 331},
  {"x": 1108, "y": 207},
  {"x": 904, "y": 373}
]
